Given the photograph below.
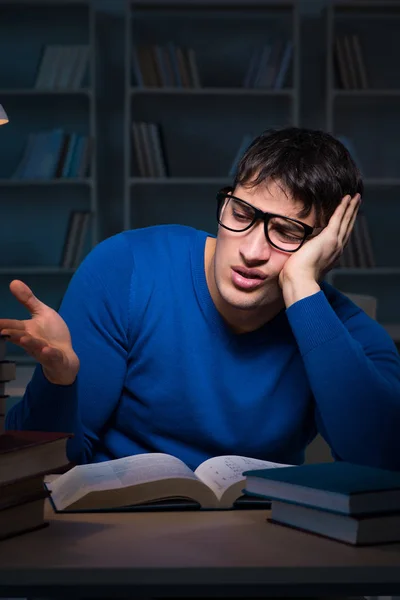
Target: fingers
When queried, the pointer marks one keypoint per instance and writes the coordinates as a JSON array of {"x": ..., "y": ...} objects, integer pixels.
[
  {"x": 349, "y": 219},
  {"x": 343, "y": 216},
  {"x": 336, "y": 219},
  {"x": 25, "y": 296},
  {"x": 351, "y": 222},
  {"x": 11, "y": 324},
  {"x": 22, "y": 338},
  {"x": 36, "y": 347}
]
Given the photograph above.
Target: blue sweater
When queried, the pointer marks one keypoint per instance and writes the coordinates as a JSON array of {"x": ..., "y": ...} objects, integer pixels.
[{"x": 162, "y": 372}]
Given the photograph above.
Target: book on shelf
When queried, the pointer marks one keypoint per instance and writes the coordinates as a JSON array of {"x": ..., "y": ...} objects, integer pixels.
[
  {"x": 164, "y": 66},
  {"x": 349, "y": 144},
  {"x": 154, "y": 480},
  {"x": 359, "y": 252},
  {"x": 62, "y": 67},
  {"x": 268, "y": 66},
  {"x": 244, "y": 144},
  {"x": 54, "y": 154},
  {"x": 363, "y": 235},
  {"x": 363, "y": 530},
  {"x": 26, "y": 457},
  {"x": 350, "y": 63},
  {"x": 74, "y": 242},
  {"x": 340, "y": 487},
  {"x": 148, "y": 150}
]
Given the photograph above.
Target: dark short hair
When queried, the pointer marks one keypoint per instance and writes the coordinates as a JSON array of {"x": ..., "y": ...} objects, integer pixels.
[{"x": 312, "y": 166}]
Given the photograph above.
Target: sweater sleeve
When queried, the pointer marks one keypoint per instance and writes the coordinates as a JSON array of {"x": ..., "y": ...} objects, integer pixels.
[
  {"x": 353, "y": 369},
  {"x": 96, "y": 310}
]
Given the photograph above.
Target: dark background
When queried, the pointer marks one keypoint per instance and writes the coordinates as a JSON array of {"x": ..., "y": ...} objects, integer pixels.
[{"x": 201, "y": 129}]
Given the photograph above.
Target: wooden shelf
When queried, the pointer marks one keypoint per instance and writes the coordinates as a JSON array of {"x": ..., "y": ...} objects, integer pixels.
[
  {"x": 370, "y": 181},
  {"x": 381, "y": 181},
  {"x": 180, "y": 180},
  {"x": 385, "y": 271},
  {"x": 343, "y": 6},
  {"x": 230, "y": 7},
  {"x": 49, "y": 3},
  {"x": 382, "y": 93},
  {"x": 35, "y": 271},
  {"x": 38, "y": 209},
  {"x": 44, "y": 92},
  {"x": 30, "y": 182},
  {"x": 211, "y": 91}
]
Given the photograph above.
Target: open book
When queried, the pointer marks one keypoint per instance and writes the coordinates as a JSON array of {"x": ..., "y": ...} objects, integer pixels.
[{"x": 153, "y": 478}]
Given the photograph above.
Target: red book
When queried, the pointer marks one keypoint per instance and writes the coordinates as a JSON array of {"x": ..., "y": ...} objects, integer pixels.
[{"x": 27, "y": 453}]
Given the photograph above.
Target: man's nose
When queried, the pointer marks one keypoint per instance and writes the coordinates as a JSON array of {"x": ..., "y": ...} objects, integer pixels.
[{"x": 255, "y": 247}]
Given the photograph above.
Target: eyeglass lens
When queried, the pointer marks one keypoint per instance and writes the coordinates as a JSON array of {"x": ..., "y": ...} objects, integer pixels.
[{"x": 283, "y": 233}]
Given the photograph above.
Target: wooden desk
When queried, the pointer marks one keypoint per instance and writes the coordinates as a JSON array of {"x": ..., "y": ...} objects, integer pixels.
[{"x": 197, "y": 554}]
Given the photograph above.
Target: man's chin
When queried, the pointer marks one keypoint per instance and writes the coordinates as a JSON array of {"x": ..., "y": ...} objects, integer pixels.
[
  {"x": 242, "y": 300},
  {"x": 246, "y": 300}
]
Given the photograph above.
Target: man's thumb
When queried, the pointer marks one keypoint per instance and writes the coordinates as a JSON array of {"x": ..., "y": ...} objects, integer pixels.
[{"x": 25, "y": 296}]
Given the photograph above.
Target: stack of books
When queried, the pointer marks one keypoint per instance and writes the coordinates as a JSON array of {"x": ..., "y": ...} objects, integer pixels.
[
  {"x": 7, "y": 374},
  {"x": 75, "y": 239},
  {"x": 54, "y": 154},
  {"x": 268, "y": 66},
  {"x": 62, "y": 67},
  {"x": 359, "y": 252},
  {"x": 149, "y": 149},
  {"x": 351, "y": 503},
  {"x": 350, "y": 63},
  {"x": 164, "y": 66},
  {"x": 25, "y": 458}
]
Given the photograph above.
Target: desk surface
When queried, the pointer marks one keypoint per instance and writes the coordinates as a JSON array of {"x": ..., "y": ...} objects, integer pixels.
[{"x": 174, "y": 553}]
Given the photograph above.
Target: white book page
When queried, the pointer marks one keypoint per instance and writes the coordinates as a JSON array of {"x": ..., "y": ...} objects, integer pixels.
[
  {"x": 222, "y": 472},
  {"x": 117, "y": 473}
]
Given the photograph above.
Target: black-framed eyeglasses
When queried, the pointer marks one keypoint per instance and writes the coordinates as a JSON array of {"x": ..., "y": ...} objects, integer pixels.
[{"x": 284, "y": 233}]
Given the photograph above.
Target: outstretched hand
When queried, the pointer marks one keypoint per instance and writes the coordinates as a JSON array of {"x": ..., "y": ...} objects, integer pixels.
[
  {"x": 318, "y": 255},
  {"x": 45, "y": 336}
]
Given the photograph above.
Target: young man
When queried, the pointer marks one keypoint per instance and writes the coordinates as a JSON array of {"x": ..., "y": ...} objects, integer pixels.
[{"x": 199, "y": 346}]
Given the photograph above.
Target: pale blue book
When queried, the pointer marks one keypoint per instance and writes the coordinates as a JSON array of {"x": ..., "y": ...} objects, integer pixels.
[
  {"x": 259, "y": 81},
  {"x": 284, "y": 66},
  {"x": 49, "y": 154},
  {"x": 348, "y": 143},
  {"x": 252, "y": 68},
  {"x": 77, "y": 156},
  {"x": 70, "y": 153},
  {"x": 32, "y": 163}
]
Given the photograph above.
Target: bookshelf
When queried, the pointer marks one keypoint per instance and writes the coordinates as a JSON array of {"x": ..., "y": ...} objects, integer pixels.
[
  {"x": 47, "y": 86},
  {"x": 362, "y": 104},
  {"x": 187, "y": 72}
]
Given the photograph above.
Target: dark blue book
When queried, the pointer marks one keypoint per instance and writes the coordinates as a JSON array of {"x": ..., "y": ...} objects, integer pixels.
[
  {"x": 363, "y": 530},
  {"x": 339, "y": 487}
]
